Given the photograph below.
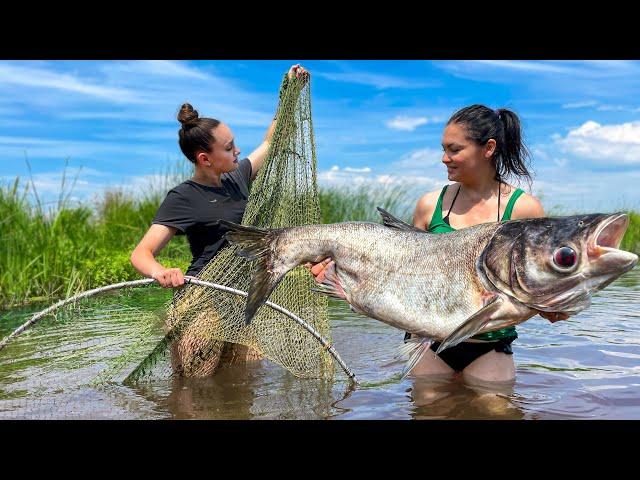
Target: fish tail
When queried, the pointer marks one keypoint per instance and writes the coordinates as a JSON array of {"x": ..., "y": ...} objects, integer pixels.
[{"x": 257, "y": 244}]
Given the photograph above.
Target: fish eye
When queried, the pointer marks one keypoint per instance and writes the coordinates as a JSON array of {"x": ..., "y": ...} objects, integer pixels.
[
  {"x": 565, "y": 257},
  {"x": 581, "y": 224}
]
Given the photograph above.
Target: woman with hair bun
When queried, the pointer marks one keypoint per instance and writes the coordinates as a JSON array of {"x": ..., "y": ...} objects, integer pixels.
[{"x": 219, "y": 189}]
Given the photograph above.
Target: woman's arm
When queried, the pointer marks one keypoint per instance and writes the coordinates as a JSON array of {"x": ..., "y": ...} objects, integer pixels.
[
  {"x": 527, "y": 206},
  {"x": 259, "y": 154},
  {"x": 143, "y": 256},
  {"x": 424, "y": 209}
]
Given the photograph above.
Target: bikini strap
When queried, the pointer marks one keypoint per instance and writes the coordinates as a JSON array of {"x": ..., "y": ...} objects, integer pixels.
[{"x": 454, "y": 201}]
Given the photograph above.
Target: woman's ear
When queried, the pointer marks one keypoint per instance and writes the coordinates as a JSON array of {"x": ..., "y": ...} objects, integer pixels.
[
  {"x": 203, "y": 159},
  {"x": 490, "y": 148}
]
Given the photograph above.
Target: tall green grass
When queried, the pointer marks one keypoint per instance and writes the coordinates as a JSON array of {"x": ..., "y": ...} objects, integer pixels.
[
  {"x": 359, "y": 203},
  {"x": 631, "y": 239},
  {"x": 56, "y": 251},
  {"x": 59, "y": 250}
]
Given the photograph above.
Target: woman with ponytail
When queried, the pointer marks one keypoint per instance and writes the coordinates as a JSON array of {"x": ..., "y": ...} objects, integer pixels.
[{"x": 483, "y": 151}]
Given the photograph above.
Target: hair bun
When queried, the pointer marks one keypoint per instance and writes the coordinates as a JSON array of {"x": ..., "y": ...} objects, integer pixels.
[{"x": 187, "y": 114}]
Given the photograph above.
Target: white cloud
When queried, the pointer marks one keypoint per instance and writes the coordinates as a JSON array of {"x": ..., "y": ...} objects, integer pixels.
[
  {"x": 376, "y": 80},
  {"x": 97, "y": 115},
  {"x": 337, "y": 178},
  {"x": 557, "y": 81},
  {"x": 578, "y": 68},
  {"x": 349, "y": 177},
  {"x": 418, "y": 160},
  {"x": 539, "y": 152},
  {"x": 38, "y": 77},
  {"x": 568, "y": 190},
  {"x": 336, "y": 168},
  {"x": 607, "y": 144},
  {"x": 79, "y": 184},
  {"x": 156, "y": 182},
  {"x": 588, "y": 103},
  {"x": 405, "y": 123},
  {"x": 519, "y": 65},
  {"x": 615, "y": 108},
  {"x": 15, "y": 123},
  {"x": 141, "y": 91},
  {"x": 164, "y": 68}
]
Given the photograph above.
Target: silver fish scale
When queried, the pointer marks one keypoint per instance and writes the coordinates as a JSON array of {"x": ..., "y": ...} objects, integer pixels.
[{"x": 404, "y": 278}]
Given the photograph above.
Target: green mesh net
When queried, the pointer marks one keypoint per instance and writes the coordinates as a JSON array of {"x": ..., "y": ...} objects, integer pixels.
[
  {"x": 83, "y": 360},
  {"x": 206, "y": 327}
]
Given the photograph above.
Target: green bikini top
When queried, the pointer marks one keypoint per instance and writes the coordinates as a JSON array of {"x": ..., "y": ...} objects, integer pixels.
[{"x": 438, "y": 225}]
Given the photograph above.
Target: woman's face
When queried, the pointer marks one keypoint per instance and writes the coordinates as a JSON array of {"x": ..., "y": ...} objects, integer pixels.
[
  {"x": 223, "y": 156},
  {"x": 464, "y": 158}
]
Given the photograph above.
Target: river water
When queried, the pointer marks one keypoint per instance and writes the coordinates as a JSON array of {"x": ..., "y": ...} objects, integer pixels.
[{"x": 587, "y": 367}]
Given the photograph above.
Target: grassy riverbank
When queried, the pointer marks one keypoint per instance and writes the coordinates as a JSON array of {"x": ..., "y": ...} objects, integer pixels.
[{"x": 53, "y": 251}]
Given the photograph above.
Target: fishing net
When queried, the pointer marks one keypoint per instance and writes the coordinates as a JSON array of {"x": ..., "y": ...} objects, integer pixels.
[
  {"x": 73, "y": 363},
  {"x": 86, "y": 359},
  {"x": 207, "y": 326}
]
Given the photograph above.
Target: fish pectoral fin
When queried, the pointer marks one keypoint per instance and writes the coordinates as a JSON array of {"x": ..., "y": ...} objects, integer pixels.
[
  {"x": 392, "y": 222},
  {"x": 473, "y": 324},
  {"x": 326, "y": 290},
  {"x": 414, "y": 349},
  {"x": 330, "y": 284}
]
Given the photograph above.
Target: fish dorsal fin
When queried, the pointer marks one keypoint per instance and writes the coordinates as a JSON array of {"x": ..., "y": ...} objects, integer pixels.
[{"x": 392, "y": 222}]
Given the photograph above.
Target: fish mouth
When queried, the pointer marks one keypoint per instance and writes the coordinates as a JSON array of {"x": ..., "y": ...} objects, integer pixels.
[
  {"x": 605, "y": 257},
  {"x": 608, "y": 235}
]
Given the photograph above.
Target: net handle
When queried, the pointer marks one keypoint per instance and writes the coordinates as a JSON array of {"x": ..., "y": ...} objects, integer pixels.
[{"x": 187, "y": 280}]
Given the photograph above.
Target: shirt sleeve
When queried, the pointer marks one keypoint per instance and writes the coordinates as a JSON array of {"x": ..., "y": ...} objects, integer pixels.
[{"x": 175, "y": 211}]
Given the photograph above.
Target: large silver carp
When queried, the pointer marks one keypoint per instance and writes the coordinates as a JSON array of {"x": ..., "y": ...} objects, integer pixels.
[{"x": 447, "y": 287}]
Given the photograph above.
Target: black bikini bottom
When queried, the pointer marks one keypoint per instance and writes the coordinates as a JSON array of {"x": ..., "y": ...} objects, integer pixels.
[{"x": 460, "y": 356}]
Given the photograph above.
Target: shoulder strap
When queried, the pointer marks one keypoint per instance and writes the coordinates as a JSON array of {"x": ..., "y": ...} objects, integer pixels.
[
  {"x": 437, "y": 213},
  {"x": 512, "y": 200}
]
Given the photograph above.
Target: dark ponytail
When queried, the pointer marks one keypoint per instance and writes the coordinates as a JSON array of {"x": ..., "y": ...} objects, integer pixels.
[
  {"x": 196, "y": 133},
  {"x": 511, "y": 155}
]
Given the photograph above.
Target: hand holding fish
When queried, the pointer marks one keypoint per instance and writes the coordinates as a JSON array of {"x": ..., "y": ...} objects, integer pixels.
[{"x": 318, "y": 269}]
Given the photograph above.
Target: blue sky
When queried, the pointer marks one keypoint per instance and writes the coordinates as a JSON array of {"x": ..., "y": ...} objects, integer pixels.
[{"x": 376, "y": 122}]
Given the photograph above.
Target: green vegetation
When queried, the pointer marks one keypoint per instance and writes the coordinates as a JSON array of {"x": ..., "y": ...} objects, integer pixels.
[
  {"x": 359, "y": 204},
  {"x": 56, "y": 252},
  {"x": 52, "y": 253},
  {"x": 631, "y": 239}
]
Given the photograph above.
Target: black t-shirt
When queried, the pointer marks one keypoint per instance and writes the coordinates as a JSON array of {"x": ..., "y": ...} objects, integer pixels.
[{"x": 194, "y": 209}]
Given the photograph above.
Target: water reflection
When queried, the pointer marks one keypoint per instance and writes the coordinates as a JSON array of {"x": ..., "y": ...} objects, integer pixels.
[
  {"x": 583, "y": 368},
  {"x": 258, "y": 390},
  {"x": 451, "y": 396}
]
